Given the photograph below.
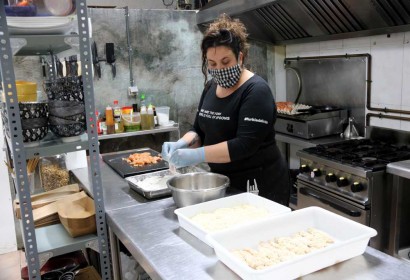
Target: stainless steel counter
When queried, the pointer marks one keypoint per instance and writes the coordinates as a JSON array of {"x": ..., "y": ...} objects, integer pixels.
[
  {"x": 167, "y": 251},
  {"x": 399, "y": 233},
  {"x": 150, "y": 231},
  {"x": 400, "y": 168},
  {"x": 117, "y": 194}
]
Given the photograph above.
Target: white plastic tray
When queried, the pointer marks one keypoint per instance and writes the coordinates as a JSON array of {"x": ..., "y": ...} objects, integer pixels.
[
  {"x": 185, "y": 213},
  {"x": 351, "y": 239}
]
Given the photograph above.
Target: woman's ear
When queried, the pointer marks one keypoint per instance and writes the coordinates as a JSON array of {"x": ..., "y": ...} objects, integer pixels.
[{"x": 240, "y": 59}]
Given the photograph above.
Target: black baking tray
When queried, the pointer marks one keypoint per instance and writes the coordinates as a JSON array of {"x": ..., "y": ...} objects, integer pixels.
[{"x": 124, "y": 169}]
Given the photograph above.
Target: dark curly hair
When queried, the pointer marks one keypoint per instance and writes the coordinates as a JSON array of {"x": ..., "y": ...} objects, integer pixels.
[{"x": 224, "y": 31}]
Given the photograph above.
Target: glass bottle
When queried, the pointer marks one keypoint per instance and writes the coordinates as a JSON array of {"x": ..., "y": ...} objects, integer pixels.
[
  {"x": 150, "y": 113},
  {"x": 119, "y": 125},
  {"x": 145, "y": 123}
]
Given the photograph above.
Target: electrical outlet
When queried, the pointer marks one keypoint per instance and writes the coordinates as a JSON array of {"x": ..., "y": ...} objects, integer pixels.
[{"x": 132, "y": 91}]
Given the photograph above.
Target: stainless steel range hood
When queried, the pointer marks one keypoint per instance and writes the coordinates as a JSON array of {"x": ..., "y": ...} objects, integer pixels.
[{"x": 283, "y": 22}]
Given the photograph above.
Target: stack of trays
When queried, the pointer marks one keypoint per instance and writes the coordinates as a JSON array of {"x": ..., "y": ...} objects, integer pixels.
[{"x": 67, "y": 110}]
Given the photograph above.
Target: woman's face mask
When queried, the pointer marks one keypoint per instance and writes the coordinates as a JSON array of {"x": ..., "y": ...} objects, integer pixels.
[{"x": 226, "y": 77}]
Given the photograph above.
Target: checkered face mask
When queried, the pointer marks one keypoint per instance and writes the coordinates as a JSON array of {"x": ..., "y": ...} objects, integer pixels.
[{"x": 226, "y": 77}]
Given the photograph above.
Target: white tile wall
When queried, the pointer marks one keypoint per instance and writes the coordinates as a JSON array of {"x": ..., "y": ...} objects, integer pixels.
[
  {"x": 405, "y": 98},
  {"x": 405, "y": 125},
  {"x": 387, "y": 72}
]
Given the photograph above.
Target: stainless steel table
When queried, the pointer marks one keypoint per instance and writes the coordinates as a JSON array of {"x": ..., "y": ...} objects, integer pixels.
[
  {"x": 400, "y": 206},
  {"x": 150, "y": 231},
  {"x": 167, "y": 251}
]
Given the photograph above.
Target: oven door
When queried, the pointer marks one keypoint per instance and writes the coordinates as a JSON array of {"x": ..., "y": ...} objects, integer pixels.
[{"x": 309, "y": 195}]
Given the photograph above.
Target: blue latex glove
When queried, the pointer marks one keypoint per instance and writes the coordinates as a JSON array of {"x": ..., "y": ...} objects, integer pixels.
[
  {"x": 169, "y": 147},
  {"x": 187, "y": 157}
]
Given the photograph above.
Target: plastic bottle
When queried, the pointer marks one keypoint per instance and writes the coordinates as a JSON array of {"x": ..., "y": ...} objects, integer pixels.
[
  {"x": 150, "y": 112},
  {"x": 119, "y": 125},
  {"x": 156, "y": 123},
  {"x": 98, "y": 121},
  {"x": 109, "y": 120},
  {"x": 144, "y": 118}
]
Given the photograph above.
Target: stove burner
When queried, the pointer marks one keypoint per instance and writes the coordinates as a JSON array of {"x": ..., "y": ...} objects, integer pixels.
[{"x": 365, "y": 153}]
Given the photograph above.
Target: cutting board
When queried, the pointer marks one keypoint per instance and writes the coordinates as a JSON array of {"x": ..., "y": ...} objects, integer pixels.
[{"x": 124, "y": 169}]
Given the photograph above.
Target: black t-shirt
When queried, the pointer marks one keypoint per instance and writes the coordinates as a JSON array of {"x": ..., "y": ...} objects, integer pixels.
[{"x": 245, "y": 119}]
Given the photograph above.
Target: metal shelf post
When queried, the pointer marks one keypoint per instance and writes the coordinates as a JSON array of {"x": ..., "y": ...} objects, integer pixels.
[{"x": 17, "y": 147}]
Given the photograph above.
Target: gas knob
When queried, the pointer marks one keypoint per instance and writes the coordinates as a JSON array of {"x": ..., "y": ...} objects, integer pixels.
[
  {"x": 315, "y": 173},
  {"x": 330, "y": 177},
  {"x": 304, "y": 168},
  {"x": 357, "y": 187},
  {"x": 342, "y": 182}
]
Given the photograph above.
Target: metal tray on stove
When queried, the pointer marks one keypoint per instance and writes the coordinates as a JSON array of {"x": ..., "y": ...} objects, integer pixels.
[
  {"x": 134, "y": 182},
  {"x": 124, "y": 169}
]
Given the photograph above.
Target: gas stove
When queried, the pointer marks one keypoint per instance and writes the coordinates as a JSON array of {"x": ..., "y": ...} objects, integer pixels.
[
  {"x": 364, "y": 153},
  {"x": 349, "y": 178}
]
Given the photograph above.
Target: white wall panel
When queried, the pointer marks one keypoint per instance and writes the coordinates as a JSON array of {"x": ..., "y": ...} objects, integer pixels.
[{"x": 387, "y": 68}]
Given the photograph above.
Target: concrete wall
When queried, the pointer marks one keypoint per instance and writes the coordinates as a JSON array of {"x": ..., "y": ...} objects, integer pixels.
[{"x": 166, "y": 60}]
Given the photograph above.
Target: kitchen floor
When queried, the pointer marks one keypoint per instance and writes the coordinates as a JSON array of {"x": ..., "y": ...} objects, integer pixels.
[{"x": 10, "y": 265}]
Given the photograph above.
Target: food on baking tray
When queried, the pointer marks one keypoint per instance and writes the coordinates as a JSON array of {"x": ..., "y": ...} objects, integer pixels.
[
  {"x": 280, "y": 249},
  {"x": 290, "y": 108},
  {"x": 223, "y": 218},
  {"x": 284, "y": 106},
  {"x": 141, "y": 159},
  {"x": 154, "y": 183}
]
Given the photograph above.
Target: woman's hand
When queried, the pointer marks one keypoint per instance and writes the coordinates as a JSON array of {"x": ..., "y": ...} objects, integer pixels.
[
  {"x": 169, "y": 147},
  {"x": 187, "y": 157}
]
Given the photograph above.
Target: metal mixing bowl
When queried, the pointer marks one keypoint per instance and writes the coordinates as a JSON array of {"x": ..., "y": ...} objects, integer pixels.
[{"x": 197, "y": 187}]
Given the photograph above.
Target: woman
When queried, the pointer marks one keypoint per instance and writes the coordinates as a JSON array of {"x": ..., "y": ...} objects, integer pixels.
[{"x": 234, "y": 126}]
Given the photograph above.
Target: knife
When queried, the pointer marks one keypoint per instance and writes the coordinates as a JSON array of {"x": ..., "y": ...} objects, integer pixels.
[
  {"x": 59, "y": 67},
  {"x": 96, "y": 62},
  {"x": 109, "y": 53}
]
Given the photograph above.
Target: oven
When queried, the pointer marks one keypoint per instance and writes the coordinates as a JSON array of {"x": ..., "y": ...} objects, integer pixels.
[
  {"x": 309, "y": 195},
  {"x": 349, "y": 179}
]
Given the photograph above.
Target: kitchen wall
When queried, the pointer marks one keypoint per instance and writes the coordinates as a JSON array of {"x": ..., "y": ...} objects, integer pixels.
[{"x": 390, "y": 72}]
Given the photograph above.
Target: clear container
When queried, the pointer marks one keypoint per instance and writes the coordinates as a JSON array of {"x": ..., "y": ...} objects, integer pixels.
[
  {"x": 132, "y": 122},
  {"x": 53, "y": 172},
  {"x": 163, "y": 115}
]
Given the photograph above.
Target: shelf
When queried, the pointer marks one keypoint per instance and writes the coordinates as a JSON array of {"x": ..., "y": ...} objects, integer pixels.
[
  {"x": 55, "y": 239},
  {"x": 160, "y": 129},
  {"x": 44, "y": 44},
  {"x": 52, "y": 145}
]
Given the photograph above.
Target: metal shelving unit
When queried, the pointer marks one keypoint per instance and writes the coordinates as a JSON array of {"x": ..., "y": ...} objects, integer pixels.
[
  {"x": 42, "y": 243},
  {"x": 159, "y": 129}
]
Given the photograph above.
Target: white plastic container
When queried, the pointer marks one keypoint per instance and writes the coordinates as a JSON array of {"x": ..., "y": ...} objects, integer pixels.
[
  {"x": 163, "y": 115},
  {"x": 351, "y": 239},
  {"x": 185, "y": 213}
]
